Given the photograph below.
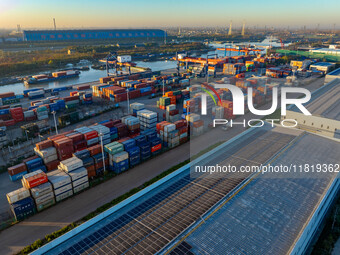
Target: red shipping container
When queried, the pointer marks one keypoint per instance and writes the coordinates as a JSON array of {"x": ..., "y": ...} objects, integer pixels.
[
  {"x": 9, "y": 123},
  {"x": 66, "y": 133},
  {"x": 91, "y": 171},
  {"x": 90, "y": 135},
  {"x": 71, "y": 98},
  {"x": 76, "y": 137},
  {"x": 7, "y": 94},
  {"x": 80, "y": 145},
  {"x": 17, "y": 169},
  {"x": 108, "y": 124},
  {"x": 116, "y": 122},
  {"x": 35, "y": 180},
  {"x": 55, "y": 137},
  {"x": 73, "y": 93},
  {"x": 123, "y": 139},
  {"x": 44, "y": 144},
  {"x": 105, "y": 79},
  {"x": 95, "y": 149},
  {"x": 156, "y": 147},
  {"x": 53, "y": 165},
  {"x": 99, "y": 165},
  {"x": 83, "y": 87}
]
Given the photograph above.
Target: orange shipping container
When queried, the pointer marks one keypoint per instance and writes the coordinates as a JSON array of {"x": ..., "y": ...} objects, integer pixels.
[{"x": 34, "y": 179}]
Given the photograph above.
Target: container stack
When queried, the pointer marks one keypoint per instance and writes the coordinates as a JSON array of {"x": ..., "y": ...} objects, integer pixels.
[
  {"x": 196, "y": 124},
  {"x": 35, "y": 164},
  {"x": 90, "y": 135},
  {"x": 163, "y": 102},
  {"x": 71, "y": 102},
  {"x": 133, "y": 125},
  {"x": 112, "y": 149},
  {"x": 87, "y": 98},
  {"x": 172, "y": 114},
  {"x": 105, "y": 131},
  {"x": 227, "y": 109},
  {"x": 80, "y": 179},
  {"x": 43, "y": 196},
  {"x": 182, "y": 127},
  {"x": 17, "y": 172},
  {"x": 97, "y": 157},
  {"x": 133, "y": 151},
  {"x": 21, "y": 203},
  {"x": 46, "y": 151},
  {"x": 36, "y": 94},
  {"x": 61, "y": 183},
  {"x": 42, "y": 113},
  {"x": 122, "y": 130},
  {"x": 34, "y": 179},
  {"x": 79, "y": 143},
  {"x": 64, "y": 147},
  {"x": 17, "y": 114},
  {"x": 148, "y": 119},
  {"x": 218, "y": 112},
  {"x": 29, "y": 115},
  {"x": 120, "y": 161},
  {"x": 135, "y": 107},
  {"x": 88, "y": 161}
]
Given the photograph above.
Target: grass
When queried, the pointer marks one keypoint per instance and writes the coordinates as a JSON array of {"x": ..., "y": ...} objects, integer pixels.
[{"x": 48, "y": 238}]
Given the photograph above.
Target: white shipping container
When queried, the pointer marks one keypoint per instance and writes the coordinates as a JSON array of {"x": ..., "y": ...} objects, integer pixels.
[
  {"x": 44, "y": 198},
  {"x": 120, "y": 156},
  {"x": 17, "y": 195},
  {"x": 41, "y": 189},
  {"x": 71, "y": 164},
  {"x": 64, "y": 195},
  {"x": 81, "y": 187},
  {"x": 63, "y": 189},
  {"x": 46, "y": 152},
  {"x": 124, "y": 58},
  {"x": 80, "y": 181},
  {"x": 169, "y": 128},
  {"x": 78, "y": 173},
  {"x": 50, "y": 158},
  {"x": 58, "y": 178},
  {"x": 28, "y": 114}
]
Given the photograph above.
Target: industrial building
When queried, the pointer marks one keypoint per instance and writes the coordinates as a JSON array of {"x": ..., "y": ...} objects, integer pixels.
[
  {"x": 332, "y": 75},
  {"x": 95, "y": 34},
  {"x": 154, "y": 219},
  {"x": 324, "y": 67},
  {"x": 324, "y": 107}
]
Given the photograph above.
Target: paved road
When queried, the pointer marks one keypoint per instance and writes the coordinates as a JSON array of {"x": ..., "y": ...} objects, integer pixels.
[{"x": 24, "y": 233}]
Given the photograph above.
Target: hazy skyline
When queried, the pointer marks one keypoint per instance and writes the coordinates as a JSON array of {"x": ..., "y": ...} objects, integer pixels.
[{"x": 167, "y": 13}]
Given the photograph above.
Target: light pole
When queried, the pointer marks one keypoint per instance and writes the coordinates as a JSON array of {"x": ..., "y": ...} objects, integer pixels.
[
  {"x": 55, "y": 122},
  {"x": 128, "y": 104},
  {"x": 101, "y": 143},
  {"x": 163, "y": 87}
]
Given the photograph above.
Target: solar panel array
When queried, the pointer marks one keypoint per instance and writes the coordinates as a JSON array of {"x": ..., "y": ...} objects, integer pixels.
[
  {"x": 149, "y": 224},
  {"x": 268, "y": 215}
]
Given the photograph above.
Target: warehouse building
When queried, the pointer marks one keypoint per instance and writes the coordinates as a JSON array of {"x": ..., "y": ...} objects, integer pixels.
[
  {"x": 154, "y": 219},
  {"x": 324, "y": 67},
  {"x": 273, "y": 214},
  {"x": 325, "y": 109},
  {"x": 97, "y": 34},
  {"x": 332, "y": 75}
]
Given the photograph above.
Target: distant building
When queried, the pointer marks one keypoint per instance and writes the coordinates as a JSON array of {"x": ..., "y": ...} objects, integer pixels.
[
  {"x": 324, "y": 67},
  {"x": 332, "y": 75},
  {"x": 327, "y": 51},
  {"x": 97, "y": 34},
  {"x": 70, "y": 52}
]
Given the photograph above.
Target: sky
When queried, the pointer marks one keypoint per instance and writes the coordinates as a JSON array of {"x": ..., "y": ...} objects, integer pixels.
[{"x": 168, "y": 13}]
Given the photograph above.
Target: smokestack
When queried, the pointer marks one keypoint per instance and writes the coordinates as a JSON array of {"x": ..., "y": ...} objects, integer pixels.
[
  {"x": 55, "y": 26},
  {"x": 230, "y": 27}
]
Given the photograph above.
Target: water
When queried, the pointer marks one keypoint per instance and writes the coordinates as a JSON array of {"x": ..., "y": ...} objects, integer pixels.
[{"x": 85, "y": 76}]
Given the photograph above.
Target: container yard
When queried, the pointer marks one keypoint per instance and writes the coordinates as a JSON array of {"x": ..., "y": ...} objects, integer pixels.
[{"x": 119, "y": 136}]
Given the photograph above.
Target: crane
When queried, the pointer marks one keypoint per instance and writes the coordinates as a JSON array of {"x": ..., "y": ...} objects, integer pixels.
[{"x": 282, "y": 44}]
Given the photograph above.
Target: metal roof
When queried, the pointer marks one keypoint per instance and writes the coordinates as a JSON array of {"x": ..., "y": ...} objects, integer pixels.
[
  {"x": 325, "y": 101},
  {"x": 269, "y": 214},
  {"x": 335, "y": 72}
]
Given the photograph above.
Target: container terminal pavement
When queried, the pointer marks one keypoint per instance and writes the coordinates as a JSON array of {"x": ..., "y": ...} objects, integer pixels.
[{"x": 241, "y": 213}]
